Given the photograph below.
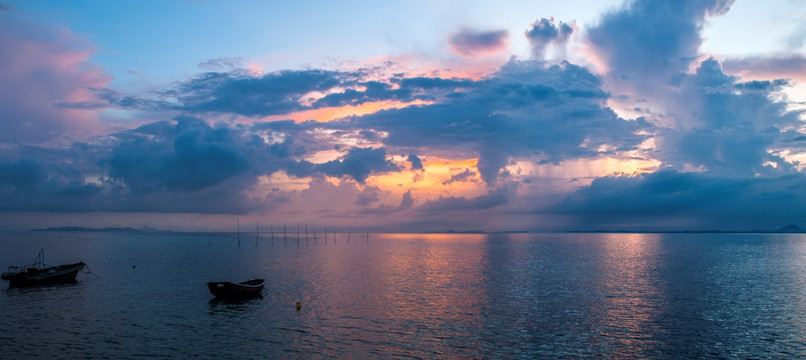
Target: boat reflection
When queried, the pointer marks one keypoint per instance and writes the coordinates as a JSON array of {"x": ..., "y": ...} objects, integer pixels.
[{"x": 225, "y": 306}]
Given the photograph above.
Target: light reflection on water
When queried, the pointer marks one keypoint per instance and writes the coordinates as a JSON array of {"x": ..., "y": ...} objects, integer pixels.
[{"x": 414, "y": 296}]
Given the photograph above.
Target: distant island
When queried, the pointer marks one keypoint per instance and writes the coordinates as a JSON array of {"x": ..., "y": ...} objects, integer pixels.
[
  {"x": 86, "y": 229},
  {"x": 788, "y": 229}
]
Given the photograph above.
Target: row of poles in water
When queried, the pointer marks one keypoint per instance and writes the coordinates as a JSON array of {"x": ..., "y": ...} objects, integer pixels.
[{"x": 285, "y": 235}]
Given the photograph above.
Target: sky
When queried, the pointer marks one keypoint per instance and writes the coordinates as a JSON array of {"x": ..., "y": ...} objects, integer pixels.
[{"x": 403, "y": 116}]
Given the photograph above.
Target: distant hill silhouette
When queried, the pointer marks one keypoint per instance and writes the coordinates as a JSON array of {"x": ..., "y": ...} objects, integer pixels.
[
  {"x": 86, "y": 229},
  {"x": 790, "y": 229}
]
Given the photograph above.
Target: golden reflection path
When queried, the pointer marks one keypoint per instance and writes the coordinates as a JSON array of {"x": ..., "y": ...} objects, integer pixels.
[{"x": 630, "y": 298}]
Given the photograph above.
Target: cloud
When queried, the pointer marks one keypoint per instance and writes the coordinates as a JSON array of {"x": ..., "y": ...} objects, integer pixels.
[
  {"x": 223, "y": 64},
  {"x": 187, "y": 157},
  {"x": 23, "y": 175},
  {"x": 406, "y": 202},
  {"x": 648, "y": 42},
  {"x": 416, "y": 162},
  {"x": 472, "y": 43},
  {"x": 708, "y": 120},
  {"x": 495, "y": 197},
  {"x": 49, "y": 66},
  {"x": 370, "y": 195},
  {"x": 462, "y": 176},
  {"x": 722, "y": 141},
  {"x": 239, "y": 92},
  {"x": 791, "y": 66},
  {"x": 728, "y": 144},
  {"x": 544, "y": 33},
  {"x": 672, "y": 200},
  {"x": 728, "y": 127},
  {"x": 526, "y": 109},
  {"x": 359, "y": 163},
  {"x": 31, "y": 185}
]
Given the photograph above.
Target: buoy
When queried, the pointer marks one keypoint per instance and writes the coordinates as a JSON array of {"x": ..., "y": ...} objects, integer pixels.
[{"x": 299, "y": 305}]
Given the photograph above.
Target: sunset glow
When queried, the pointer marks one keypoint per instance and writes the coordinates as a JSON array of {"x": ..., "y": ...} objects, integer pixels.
[
  {"x": 510, "y": 116},
  {"x": 334, "y": 113}
]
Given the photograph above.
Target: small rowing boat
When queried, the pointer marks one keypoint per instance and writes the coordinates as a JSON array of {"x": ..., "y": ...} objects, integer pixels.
[{"x": 241, "y": 290}]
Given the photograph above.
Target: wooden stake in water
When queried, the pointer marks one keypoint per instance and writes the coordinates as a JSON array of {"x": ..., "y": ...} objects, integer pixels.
[
  {"x": 325, "y": 235},
  {"x": 306, "y": 234},
  {"x": 348, "y": 235}
]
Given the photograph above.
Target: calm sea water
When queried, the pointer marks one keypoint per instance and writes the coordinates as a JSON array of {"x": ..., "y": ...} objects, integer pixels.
[{"x": 413, "y": 296}]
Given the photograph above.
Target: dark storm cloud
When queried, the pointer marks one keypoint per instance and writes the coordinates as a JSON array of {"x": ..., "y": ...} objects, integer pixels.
[
  {"x": 713, "y": 121},
  {"x": 184, "y": 165},
  {"x": 699, "y": 200},
  {"x": 416, "y": 162},
  {"x": 194, "y": 157},
  {"x": 731, "y": 132},
  {"x": 23, "y": 174},
  {"x": 472, "y": 43},
  {"x": 526, "y": 109},
  {"x": 427, "y": 83},
  {"x": 32, "y": 185},
  {"x": 372, "y": 91},
  {"x": 359, "y": 163},
  {"x": 493, "y": 198},
  {"x": 278, "y": 93},
  {"x": 544, "y": 33},
  {"x": 730, "y": 126},
  {"x": 270, "y": 94}
]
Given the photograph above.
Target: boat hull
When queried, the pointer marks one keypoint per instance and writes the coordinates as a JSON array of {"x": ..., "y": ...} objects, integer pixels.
[
  {"x": 241, "y": 290},
  {"x": 51, "y": 275}
]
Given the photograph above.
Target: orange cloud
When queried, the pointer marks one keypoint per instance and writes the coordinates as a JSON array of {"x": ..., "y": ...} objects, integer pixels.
[
  {"x": 332, "y": 113},
  {"x": 430, "y": 183}
]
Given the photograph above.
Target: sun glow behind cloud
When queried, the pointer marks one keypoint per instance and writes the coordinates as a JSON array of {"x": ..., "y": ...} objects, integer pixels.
[
  {"x": 434, "y": 179},
  {"x": 463, "y": 129},
  {"x": 332, "y": 113}
]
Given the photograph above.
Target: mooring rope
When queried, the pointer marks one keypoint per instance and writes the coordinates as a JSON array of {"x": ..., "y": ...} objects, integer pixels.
[{"x": 88, "y": 272}]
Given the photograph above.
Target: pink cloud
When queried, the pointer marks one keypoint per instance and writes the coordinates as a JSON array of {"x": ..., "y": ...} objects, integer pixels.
[
  {"x": 45, "y": 72},
  {"x": 471, "y": 43},
  {"x": 792, "y": 66}
]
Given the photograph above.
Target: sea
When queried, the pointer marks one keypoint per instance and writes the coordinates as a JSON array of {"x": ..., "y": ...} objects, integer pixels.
[{"x": 411, "y": 296}]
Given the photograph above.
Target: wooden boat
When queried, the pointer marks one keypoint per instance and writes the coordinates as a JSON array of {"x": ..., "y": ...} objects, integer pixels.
[
  {"x": 41, "y": 273},
  {"x": 241, "y": 290}
]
